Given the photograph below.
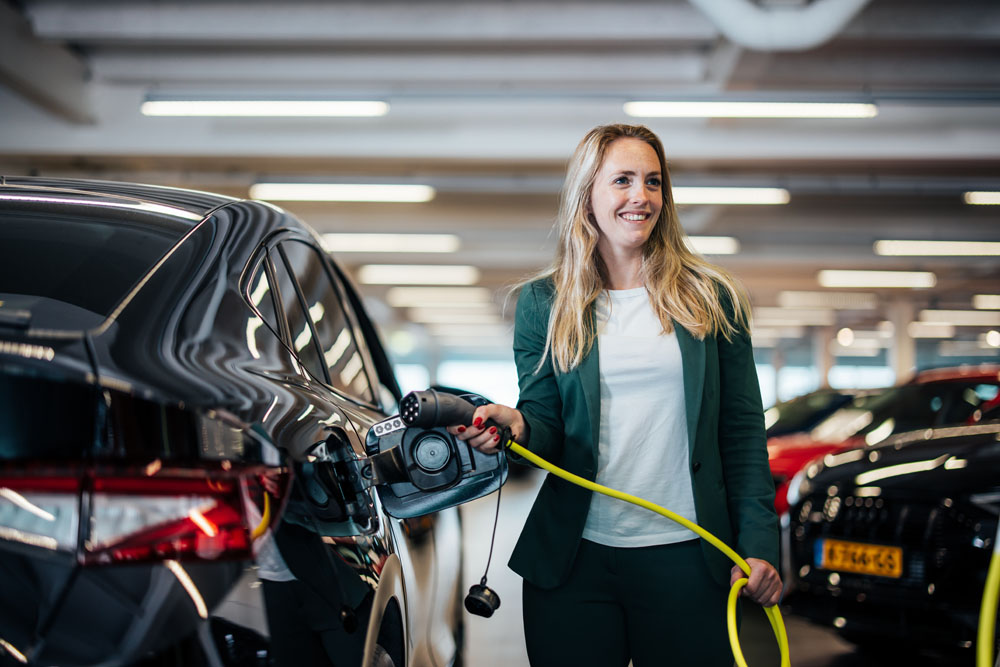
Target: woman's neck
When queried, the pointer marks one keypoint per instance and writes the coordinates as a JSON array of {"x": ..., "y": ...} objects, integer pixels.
[{"x": 623, "y": 272}]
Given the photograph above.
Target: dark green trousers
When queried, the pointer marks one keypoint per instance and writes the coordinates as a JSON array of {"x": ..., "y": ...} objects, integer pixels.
[{"x": 654, "y": 606}]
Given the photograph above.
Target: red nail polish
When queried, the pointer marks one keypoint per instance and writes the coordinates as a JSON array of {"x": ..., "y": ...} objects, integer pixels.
[
  {"x": 496, "y": 439},
  {"x": 493, "y": 429},
  {"x": 478, "y": 422},
  {"x": 461, "y": 429}
]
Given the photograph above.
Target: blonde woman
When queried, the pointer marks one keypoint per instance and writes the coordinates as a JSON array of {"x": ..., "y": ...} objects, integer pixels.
[{"x": 635, "y": 370}]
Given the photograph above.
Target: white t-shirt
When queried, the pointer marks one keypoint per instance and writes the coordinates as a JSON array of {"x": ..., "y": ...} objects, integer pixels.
[{"x": 643, "y": 446}]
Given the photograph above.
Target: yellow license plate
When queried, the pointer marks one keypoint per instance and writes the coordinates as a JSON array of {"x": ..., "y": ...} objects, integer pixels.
[{"x": 876, "y": 559}]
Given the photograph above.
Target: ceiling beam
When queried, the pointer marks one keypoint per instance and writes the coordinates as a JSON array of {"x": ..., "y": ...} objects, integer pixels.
[{"x": 47, "y": 74}]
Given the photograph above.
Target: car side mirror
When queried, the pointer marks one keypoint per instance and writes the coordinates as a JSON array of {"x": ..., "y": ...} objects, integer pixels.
[{"x": 423, "y": 469}]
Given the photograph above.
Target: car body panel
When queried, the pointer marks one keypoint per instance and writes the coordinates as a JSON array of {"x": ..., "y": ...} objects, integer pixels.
[{"x": 178, "y": 371}]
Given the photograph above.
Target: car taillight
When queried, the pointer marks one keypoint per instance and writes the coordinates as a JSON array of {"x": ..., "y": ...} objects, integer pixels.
[{"x": 128, "y": 518}]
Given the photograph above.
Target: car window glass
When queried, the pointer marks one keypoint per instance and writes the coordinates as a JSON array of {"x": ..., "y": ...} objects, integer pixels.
[
  {"x": 341, "y": 353},
  {"x": 300, "y": 332},
  {"x": 263, "y": 332}
]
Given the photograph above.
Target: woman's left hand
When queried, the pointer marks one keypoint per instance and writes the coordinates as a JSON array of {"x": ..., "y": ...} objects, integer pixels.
[{"x": 764, "y": 585}]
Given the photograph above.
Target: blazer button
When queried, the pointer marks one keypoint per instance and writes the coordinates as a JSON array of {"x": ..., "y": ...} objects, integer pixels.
[{"x": 696, "y": 467}]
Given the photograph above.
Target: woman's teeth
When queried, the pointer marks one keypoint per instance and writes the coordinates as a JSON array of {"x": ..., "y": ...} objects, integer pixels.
[{"x": 634, "y": 217}]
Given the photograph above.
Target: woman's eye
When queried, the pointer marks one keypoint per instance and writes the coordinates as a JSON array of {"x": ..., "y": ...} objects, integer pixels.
[
  {"x": 654, "y": 182},
  {"x": 621, "y": 179}
]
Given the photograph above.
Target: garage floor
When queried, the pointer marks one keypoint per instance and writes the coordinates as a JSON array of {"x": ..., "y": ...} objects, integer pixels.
[{"x": 497, "y": 641}]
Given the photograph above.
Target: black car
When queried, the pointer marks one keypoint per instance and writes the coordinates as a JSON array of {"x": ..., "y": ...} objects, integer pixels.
[
  {"x": 191, "y": 401},
  {"x": 804, "y": 412},
  {"x": 890, "y": 544}
]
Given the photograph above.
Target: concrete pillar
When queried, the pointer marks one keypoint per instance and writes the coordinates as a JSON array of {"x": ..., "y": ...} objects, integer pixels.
[
  {"x": 822, "y": 356},
  {"x": 903, "y": 350}
]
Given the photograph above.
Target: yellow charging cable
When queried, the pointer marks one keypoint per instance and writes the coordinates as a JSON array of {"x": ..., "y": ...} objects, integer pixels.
[
  {"x": 988, "y": 609},
  {"x": 773, "y": 613},
  {"x": 265, "y": 520}
]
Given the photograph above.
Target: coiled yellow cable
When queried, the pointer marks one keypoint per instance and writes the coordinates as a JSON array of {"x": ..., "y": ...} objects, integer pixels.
[
  {"x": 988, "y": 609},
  {"x": 773, "y": 613}
]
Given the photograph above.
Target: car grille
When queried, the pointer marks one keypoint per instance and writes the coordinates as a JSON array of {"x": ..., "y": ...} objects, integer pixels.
[{"x": 945, "y": 544}]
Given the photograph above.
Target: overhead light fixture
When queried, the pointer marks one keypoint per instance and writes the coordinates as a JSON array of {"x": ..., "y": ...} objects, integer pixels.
[
  {"x": 962, "y": 318},
  {"x": 937, "y": 248},
  {"x": 835, "y": 300},
  {"x": 435, "y": 243},
  {"x": 417, "y": 274},
  {"x": 453, "y": 297},
  {"x": 685, "y": 195},
  {"x": 930, "y": 330},
  {"x": 782, "y": 317},
  {"x": 713, "y": 245},
  {"x": 736, "y": 109},
  {"x": 991, "y": 338},
  {"x": 986, "y": 301},
  {"x": 870, "y": 279},
  {"x": 366, "y": 192},
  {"x": 486, "y": 315},
  {"x": 264, "y": 108},
  {"x": 982, "y": 198}
]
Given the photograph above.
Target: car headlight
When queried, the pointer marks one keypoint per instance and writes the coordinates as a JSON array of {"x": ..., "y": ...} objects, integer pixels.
[{"x": 798, "y": 487}]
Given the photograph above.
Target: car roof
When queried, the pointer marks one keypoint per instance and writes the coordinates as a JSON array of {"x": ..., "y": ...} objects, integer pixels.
[
  {"x": 194, "y": 203},
  {"x": 983, "y": 371}
]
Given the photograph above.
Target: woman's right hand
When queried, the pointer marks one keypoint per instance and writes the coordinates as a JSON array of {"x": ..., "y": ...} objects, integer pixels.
[{"x": 487, "y": 439}]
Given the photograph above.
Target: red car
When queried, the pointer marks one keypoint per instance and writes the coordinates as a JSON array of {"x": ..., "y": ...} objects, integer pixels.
[{"x": 932, "y": 398}]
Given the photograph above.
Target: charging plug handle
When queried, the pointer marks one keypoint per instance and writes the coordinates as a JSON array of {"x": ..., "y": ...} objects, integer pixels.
[{"x": 431, "y": 409}]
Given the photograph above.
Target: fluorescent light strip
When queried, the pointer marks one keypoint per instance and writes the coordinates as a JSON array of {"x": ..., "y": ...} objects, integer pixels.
[
  {"x": 961, "y": 318},
  {"x": 930, "y": 330},
  {"x": 750, "y": 110},
  {"x": 433, "y": 316},
  {"x": 436, "y": 243},
  {"x": 713, "y": 245},
  {"x": 710, "y": 195},
  {"x": 468, "y": 330},
  {"x": 982, "y": 198},
  {"x": 368, "y": 192},
  {"x": 836, "y": 300},
  {"x": 937, "y": 248},
  {"x": 986, "y": 301},
  {"x": 798, "y": 316},
  {"x": 869, "y": 279},
  {"x": 404, "y": 297},
  {"x": 417, "y": 274},
  {"x": 265, "y": 108}
]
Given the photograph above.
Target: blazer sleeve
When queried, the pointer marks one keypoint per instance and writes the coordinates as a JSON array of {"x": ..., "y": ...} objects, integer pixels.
[
  {"x": 539, "y": 400},
  {"x": 743, "y": 449}
]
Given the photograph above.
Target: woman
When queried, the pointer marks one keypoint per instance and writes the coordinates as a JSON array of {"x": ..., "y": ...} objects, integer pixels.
[{"x": 635, "y": 369}]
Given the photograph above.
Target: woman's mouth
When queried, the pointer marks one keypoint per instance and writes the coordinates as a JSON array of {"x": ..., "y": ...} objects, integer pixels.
[{"x": 635, "y": 217}]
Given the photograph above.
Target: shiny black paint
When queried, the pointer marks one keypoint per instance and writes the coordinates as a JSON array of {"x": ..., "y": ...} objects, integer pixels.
[
  {"x": 169, "y": 376},
  {"x": 936, "y": 515}
]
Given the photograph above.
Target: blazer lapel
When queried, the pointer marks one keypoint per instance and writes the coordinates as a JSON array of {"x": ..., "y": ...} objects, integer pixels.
[
  {"x": 589, "y": 372},
  {"x": 693, "y": 363}
]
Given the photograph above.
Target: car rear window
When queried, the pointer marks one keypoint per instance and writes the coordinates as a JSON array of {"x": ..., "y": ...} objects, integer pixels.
[{"x": 88, "y": 262}]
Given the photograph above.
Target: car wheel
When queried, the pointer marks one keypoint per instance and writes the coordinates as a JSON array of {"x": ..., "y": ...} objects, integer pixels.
[{"x": 381, "y": 658}]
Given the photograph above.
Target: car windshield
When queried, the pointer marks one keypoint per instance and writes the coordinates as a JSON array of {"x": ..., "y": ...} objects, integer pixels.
[
  {"x": 907, "y": 408},
  {"x": 89, "y": 263},
  {"x": 803, "y": 412}
]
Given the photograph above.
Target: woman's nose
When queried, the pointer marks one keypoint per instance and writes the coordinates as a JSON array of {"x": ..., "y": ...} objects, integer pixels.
[{"x": 639, "y": 194}]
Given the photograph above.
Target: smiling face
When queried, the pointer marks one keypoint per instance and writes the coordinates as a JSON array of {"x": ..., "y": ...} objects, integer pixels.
[{"x": 626, "y": 197}]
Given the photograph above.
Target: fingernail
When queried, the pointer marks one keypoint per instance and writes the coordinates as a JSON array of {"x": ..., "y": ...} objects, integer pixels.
[
  {"x": 493, "y": 429},
  {"x": 461, "y": 429},
  {"x": 478, "y": 422},
  {"x": 496, "y": 439}
]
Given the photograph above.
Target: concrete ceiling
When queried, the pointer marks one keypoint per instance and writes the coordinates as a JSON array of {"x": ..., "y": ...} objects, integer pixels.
[{"x": 488, "y": 99}]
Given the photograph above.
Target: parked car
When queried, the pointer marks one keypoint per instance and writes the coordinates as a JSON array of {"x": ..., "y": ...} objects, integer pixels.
[
  {"x": 803, "y": 412},
  {"x": 889, "y": 544},
  {"x": 932, "y": 398},
  {"x": 187, "y": 386}
]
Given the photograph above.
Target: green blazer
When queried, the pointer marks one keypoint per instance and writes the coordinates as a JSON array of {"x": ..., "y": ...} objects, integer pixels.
[{"x": 733, "y": 491}]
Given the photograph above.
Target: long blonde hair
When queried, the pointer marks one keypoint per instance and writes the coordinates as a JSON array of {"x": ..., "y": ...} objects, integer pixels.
[{"x": 682, "y": 286}]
